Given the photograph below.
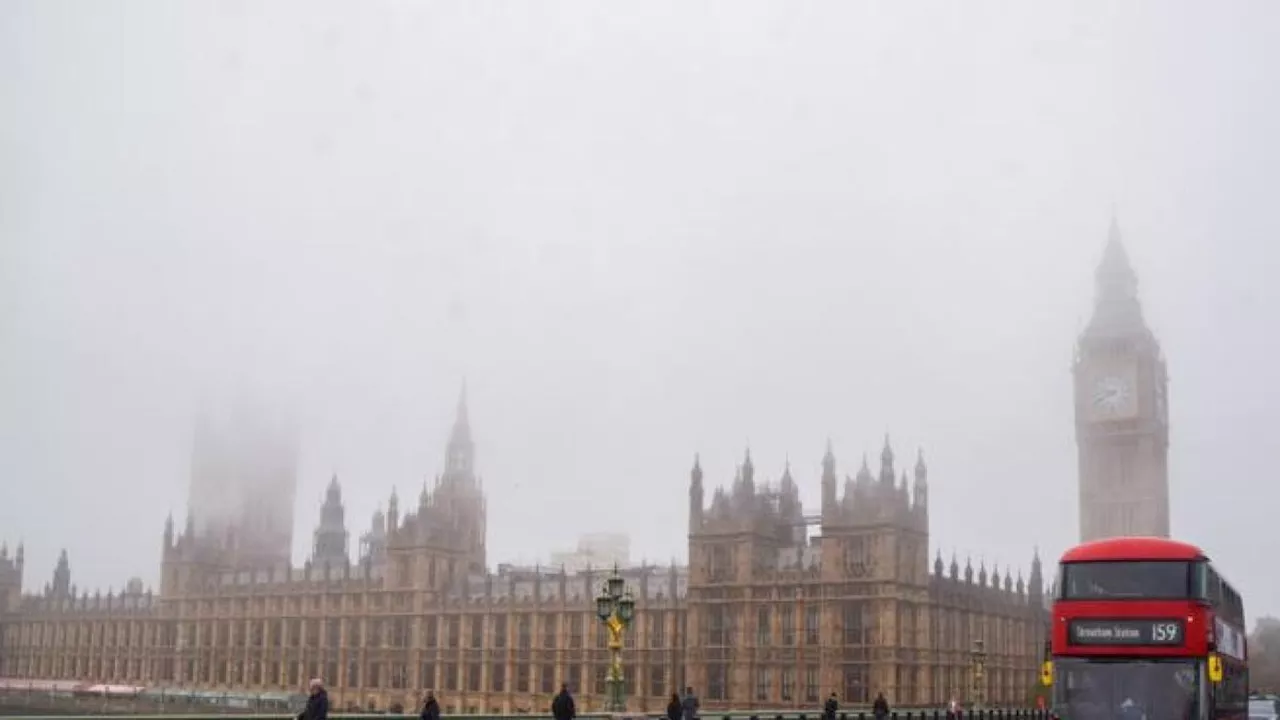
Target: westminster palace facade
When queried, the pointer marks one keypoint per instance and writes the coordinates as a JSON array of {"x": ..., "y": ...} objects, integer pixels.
[{"x": 776, "y": 609}]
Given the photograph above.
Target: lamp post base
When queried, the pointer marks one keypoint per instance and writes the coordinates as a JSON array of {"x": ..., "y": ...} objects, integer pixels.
[{"x": 616, "y": 702}]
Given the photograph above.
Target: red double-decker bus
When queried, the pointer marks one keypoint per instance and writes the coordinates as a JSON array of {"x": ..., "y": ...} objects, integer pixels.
[{"x": 1146, "y": 629}]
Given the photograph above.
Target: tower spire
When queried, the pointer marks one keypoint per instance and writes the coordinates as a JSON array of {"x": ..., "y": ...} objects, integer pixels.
[
  {"x": 1116, "y": 307},
  {"x": 461, "y": 450},
  {"x": 695, "y": 495},
  {"x": 829, "y": 506},
  {"x": 462, "y": 404}
]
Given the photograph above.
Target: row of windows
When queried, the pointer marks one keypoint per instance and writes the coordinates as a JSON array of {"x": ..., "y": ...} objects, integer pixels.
[
  {"x": 859, "y": 626},
  {"x": 1224, "y": 598},
  {"x": 774, "y": 625},
  {"x": 653, "y": 628},
  {"x": 1152, "y": 579}
]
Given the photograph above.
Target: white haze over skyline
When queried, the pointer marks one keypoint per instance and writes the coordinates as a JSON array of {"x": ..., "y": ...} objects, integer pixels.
[{"x": 639, "y": 232}]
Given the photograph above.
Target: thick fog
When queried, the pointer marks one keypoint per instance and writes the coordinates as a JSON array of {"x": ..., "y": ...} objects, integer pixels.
[{"x": 638, "y": 232}]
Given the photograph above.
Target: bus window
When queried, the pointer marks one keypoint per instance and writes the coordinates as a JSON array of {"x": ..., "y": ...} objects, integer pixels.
[
  {"x": 1118, "y": 580},
  {"x": 1159, "y": 690},
  {"x": 1200, "y": 580}
]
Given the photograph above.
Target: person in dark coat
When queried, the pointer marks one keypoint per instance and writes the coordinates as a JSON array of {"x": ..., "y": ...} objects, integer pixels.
[
  {"x": 430, "y": 707},
  {"x": 562, "y": 708},
  {"x": 317, "y": 707},
  {"x": 830, "y": 707},
  {"x": 881, "y": 707},
  {"x": 689, "y": 705},
  {"x": 675, "y": 709}
]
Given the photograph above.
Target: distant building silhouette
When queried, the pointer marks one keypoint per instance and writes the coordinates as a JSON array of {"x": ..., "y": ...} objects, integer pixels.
[
  {"x": 244, "y": 481},
  {"x": 595, "y": 550},
  {"x": 1122, "y": 410}
]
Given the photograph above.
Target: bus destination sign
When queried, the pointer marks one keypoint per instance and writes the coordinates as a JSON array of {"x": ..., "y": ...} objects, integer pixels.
[{"x": 1126, "y": 632}]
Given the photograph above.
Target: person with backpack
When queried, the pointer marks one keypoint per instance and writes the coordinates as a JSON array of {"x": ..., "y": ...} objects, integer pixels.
[
  {"x": 880, "y": 708},
  {"x": 830, "y": 707},
  {"x": 689, "y": 705},
  {"x": 562, "y": 708}
]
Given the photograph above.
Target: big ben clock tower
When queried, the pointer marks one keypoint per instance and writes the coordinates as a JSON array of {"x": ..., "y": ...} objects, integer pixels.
[{"x": 1122, "y": 412}]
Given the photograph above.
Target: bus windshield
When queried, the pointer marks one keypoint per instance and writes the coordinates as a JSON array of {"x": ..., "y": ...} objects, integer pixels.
[
  {"x": 1159, "y": 579},
  {"x": 1126, "y": 689}
]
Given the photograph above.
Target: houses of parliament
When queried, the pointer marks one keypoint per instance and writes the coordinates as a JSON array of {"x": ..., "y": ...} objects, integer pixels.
[
  {"x": 776, "y": 608},
  {"x": 763, "y": 616}
]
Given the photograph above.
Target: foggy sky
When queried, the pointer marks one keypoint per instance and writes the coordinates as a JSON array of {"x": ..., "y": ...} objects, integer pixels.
[{"x": 639, "y": 232}]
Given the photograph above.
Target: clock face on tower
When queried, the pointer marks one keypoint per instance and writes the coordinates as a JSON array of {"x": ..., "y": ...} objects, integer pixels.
[{"x": 1112, "y": 397}]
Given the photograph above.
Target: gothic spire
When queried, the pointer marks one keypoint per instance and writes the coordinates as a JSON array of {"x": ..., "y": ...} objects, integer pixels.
[
  {"x": 864, "y": 472},
  {"x": 829, "y": 506},
  {"x": 462, "y": 421},
  {"x": 886, "y": 462},
  {"x": 1116, "y": 307},
  {"x": 460, "y": 464},
  {"x": 62, "y": 575}
]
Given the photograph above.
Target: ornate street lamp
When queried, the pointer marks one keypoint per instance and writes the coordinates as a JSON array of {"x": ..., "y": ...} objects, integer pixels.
[
  {"x": 615, "y": 608},
  {"x": 979, "y": 656}
]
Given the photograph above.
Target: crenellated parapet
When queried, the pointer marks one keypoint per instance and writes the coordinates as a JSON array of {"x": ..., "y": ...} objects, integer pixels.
[
  {"x": 127, "y": 603},
  {"x": 886, "y": 497},
  {"x": 994, "y": 590},
  {"x": 767, "y": 509}
]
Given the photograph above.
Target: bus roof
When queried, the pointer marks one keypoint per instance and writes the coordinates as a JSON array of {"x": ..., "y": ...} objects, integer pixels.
[{"x": 1132, "y": 548}]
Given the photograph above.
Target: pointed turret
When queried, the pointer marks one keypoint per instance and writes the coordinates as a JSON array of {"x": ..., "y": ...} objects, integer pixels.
[
  {"x": 968, "y": 570},
  {"x": 748, "y": 473},
  {"x": 829, "y": 506},
  {"x": 331, "y": 541},
  {"x": 460, "y": 465},
  {"x": 982, "y": 574},
  {"x": 955, "y": 568},
  {"x": 886, "y": 463},
  {"x": 696, "y": 496},
  {"x": 393, "y": 511},
  {"x": 1117, "y": 310},
  {"x": 937, "y": 565},
  {"x": 1036, "y": 581},
  {"x": 373, "y": 544},
  {"x": 62, "y": 575},
  {"x": 168, "y": 534},
  {"x": 920, "y": 495},
  {"x": 864, "y": 472}
]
